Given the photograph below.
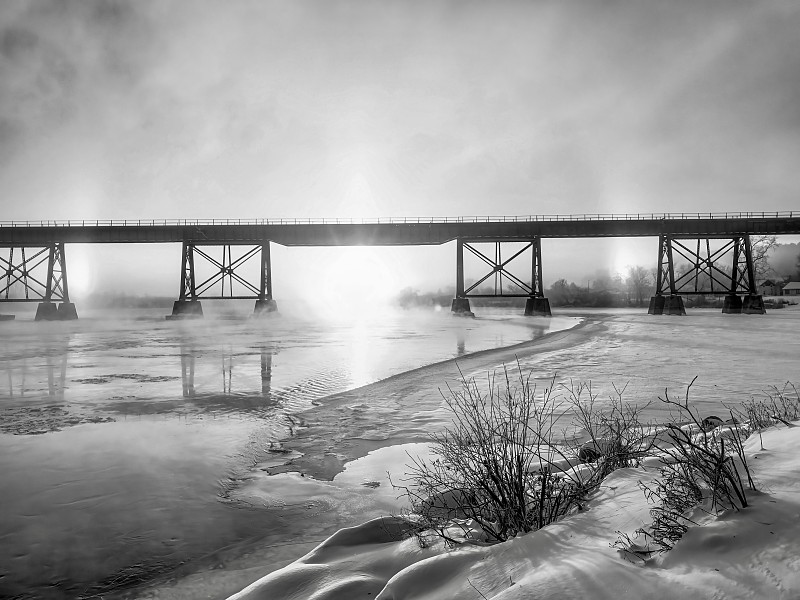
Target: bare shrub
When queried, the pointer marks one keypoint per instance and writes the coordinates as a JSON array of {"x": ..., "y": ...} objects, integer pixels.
[
  {"x": 617, "y": 437},
  {"x": 701, "y": 463},
  {"x": 496, "y": 464},
  {"x": 779, "y": 406}
]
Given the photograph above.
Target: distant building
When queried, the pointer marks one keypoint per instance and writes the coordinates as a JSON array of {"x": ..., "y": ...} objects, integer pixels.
[
  {"x": 792, "y": 288},
  {"x": 769, "y": 288}
]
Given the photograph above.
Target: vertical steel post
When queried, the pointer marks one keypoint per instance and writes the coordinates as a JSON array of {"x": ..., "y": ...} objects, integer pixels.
[
  {"x": 662, "y": 247},
  {"x": 459, "y": 268},
  {"x": 672, "y": 290},
  {"x": 188, "y": 287},
  {"x": 753, "y": 303},
  {"x": 48, "y": 291},
  {"x": 460, "y": 304},
  {"x": 265, "y": 288},
  {"x": 538, "y": 287},
  {"x": 193, "y": 289},
  {"x": 10, "y": 270},
  {"x": 498, "y": 275},
  {"x": 64, "y": 283},
  {"x": 735, "y": 266},
  {"x": 751, "y": 274},
  {"x": 182, "y": 293}
]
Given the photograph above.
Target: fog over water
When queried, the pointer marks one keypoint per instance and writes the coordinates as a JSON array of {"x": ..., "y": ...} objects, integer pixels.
[{"x": 128, "y": 449}]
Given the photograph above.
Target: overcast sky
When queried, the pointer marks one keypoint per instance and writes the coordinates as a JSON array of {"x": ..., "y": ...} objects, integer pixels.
[{"x": 259, "y": 109}]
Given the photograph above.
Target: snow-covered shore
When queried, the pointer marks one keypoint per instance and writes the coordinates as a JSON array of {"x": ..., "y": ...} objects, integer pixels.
[{"x": 753, "y": 553}]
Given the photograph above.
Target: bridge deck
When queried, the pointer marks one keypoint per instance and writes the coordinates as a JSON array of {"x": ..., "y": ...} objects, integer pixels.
[{"x": 398, "y": 232}]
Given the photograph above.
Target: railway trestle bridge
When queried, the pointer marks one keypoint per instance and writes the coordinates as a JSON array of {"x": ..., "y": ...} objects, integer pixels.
[{"x": 699, "y": 253}]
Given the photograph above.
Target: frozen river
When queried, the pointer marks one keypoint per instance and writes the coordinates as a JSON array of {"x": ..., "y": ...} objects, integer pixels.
[
  {"x": 126, "y": 447},
  {"x": 119, "y": 440}
]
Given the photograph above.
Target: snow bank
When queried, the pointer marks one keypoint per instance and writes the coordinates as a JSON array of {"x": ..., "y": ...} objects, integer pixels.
[{"x": 754, "y": 553}]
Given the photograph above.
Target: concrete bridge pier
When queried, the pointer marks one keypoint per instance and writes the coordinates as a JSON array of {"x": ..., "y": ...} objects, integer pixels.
[
  {"x": 186, "y": 309},
  {"x": 537, "y": 307},
  {"x": 732, "y": 305},
  {"x": 47, "y": 311},
  {"x": 671, "y": 304},
  {"x": 265, "y": 306},
  {"x": 50, "y": 311},
  {"x": 656, "y": 305},
  {"x": 460, "y": 306},
  {"x": 753, "y": 304},
  {"x": 67, "y": 311}
]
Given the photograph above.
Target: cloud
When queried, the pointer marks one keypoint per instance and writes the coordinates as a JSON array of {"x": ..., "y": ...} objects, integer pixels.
[{"x": 244, "y": 108}]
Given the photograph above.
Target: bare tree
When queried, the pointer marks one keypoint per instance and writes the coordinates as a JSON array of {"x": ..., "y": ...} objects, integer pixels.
[
  {"x": 762, "y": 246},
  {"x": 559, "y": 292},
  {"x": 638, "y": 283}
]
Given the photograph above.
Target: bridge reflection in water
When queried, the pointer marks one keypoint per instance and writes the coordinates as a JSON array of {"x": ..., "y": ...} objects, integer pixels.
[
  {"x": 228, "y": 381},
  {"x": 35, "y": 261},
  {"x": 51, "y": 385},
  {"x": 27, "y": 377}
]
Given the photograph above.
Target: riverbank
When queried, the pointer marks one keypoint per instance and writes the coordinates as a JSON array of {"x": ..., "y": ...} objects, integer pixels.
[{"x": 751, "y": 553}]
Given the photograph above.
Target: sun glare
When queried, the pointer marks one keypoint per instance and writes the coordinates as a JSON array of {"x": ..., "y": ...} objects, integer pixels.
[
  {"x": 627, "y": 254},
  {"x": 356, "y": 284},
  {"x": 79, "y": 273}
]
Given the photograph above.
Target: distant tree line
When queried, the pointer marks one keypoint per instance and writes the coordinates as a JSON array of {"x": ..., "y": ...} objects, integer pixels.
[
  {"x": 633, "y": 289},
  {"x": 122, "y": 300}
]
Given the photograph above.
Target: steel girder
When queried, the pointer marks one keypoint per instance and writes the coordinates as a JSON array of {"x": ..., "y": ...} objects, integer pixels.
[
  {"x": 224, "y": 278},
  {"x": 505, "y": 284}
]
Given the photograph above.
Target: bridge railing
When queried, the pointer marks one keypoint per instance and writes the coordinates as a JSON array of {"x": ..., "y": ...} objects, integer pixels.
[{"x": 402, "y": 220}]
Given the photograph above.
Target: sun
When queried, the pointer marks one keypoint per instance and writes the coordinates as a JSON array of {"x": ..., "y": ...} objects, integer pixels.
[
  {"x": 80, "y": 274},
  {"x": 356, "y": 284}
]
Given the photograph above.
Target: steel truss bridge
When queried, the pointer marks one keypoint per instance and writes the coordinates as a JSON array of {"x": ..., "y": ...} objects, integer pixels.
[{"x": 699, "y": 253}]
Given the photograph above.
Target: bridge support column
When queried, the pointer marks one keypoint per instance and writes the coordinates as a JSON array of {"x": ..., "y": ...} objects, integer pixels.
[
  {"x": 666, "y": 301},
  {"x": 703, "y": 273},
  {"x": 226, "y": 280},
  {"x": 265, "y": 304},
  {"x": 460, "y": 305},
  {"x": 506, "y": 283},
  {"x": 57, "y": 287},
  {"x": 187, "y": 306}
]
